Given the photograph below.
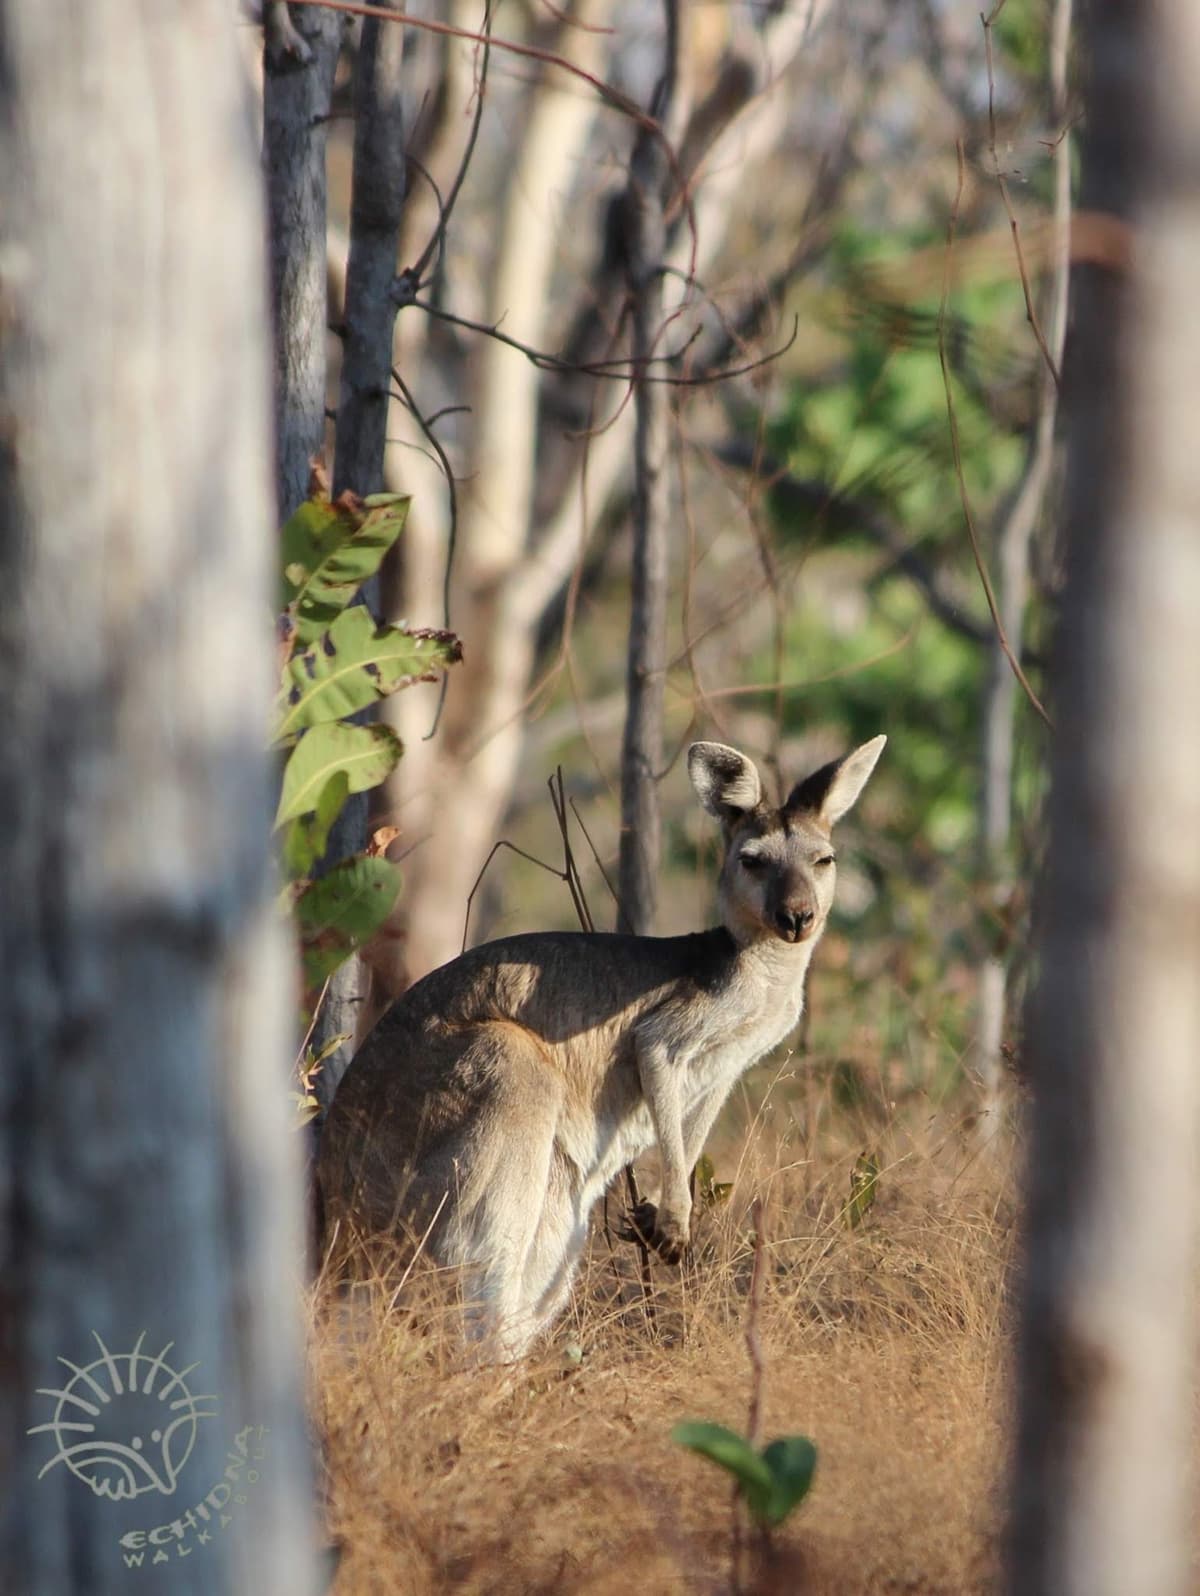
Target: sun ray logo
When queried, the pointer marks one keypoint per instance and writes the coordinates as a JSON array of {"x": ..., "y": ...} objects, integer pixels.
[{"x": 126, "y": 1423}]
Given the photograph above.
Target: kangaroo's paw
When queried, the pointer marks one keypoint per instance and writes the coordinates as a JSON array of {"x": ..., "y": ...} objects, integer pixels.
[{"x": 661, "y": 1234}]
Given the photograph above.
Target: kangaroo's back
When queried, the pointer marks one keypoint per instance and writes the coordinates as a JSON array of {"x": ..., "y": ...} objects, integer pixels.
[{"x": 572, "y": 999}]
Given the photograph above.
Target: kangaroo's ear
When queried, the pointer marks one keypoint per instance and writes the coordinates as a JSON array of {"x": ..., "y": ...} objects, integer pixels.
[
  {"x": 830, "y": 791},
  {"x": 726, "y": 782}
]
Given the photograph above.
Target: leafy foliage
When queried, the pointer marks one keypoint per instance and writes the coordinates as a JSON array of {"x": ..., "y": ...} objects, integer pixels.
[
  {"x": 353, "y": 664},
  {"x": 340, "y": 911},
  {"x": 338, "y": 662},
  {"x": 867, "y": 507},
  {"x": 329, "y": 550}
]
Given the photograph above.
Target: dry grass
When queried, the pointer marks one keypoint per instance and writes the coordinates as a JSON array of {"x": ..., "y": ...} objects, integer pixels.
[{"x": 886, "y": 1343}]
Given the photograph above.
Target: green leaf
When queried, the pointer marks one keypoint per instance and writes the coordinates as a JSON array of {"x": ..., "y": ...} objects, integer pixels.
[
  {"x": 354, "y": 664},
  {"x": 792, "y": 1461},
  {"x": 365, "y": 753},
  {"x": 341, "y": 911},
  {"x": 307, "y": 1108},
  {"x": 305, "y": 839},
  {"x": 329, "y": 550},
  {"x": 712, "y": 1191},
  {"x": 733, "y": 1453},
  {"x": 864, "y": 1188},
  {"x": 313, "y": 1060}
]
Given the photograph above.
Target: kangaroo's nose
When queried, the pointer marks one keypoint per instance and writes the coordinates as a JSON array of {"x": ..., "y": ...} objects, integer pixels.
[{"x": 793, "y": 923}]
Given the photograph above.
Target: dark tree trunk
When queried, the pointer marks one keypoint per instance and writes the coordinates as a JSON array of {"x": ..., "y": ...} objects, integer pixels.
[
  {"x": 300, "y": 54},
  {"x": 644, "y": 232},
  {"x": 376, "y": 215}
]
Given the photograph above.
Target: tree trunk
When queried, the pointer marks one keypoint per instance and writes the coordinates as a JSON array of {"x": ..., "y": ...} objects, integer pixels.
[
  {"x": 1000, "y": 698},
  {"x": 300, "y": 57},
  {"x": 149, "y": 1198},
  {"x": 1103, "y": 1487},
  {"x": 496, "y": 604},
  {"x": 645, "y": 241},
  {"x": 451, "y": 794},
  {"x": 376, "y": 215}
]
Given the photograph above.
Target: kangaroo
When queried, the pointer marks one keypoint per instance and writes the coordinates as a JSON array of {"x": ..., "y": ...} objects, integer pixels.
[{"x": 493, "y": 1103}]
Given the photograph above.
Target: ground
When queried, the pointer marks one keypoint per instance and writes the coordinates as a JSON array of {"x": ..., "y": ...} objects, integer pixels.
[{"x": 886, "y": 1341}]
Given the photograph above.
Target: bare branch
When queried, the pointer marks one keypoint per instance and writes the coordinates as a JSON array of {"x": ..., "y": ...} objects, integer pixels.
[
  {"x": 976, "y": 550},
  {"x": 438, "y": 239},
  {"x": 1002, "y": 184}
]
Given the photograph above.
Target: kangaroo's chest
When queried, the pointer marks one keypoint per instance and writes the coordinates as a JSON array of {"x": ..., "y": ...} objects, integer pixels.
[{"x": 710, "y": 1049}]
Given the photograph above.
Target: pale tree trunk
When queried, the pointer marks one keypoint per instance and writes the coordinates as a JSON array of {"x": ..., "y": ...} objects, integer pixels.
[
  {"x": 645, "y": 243},
  {"x": 451, "y": 793},
  {"x": 1103, "y": 1480},
  {"x": 149, "y": 1192},
  {"x": 376, "y": 214},
  {"x": 1000, "y": 701},
  {"x": 456, "y": 787},
  {"x": 300, "y": 54}
]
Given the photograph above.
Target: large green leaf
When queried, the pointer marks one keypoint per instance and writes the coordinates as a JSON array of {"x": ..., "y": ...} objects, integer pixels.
[
  {"x": 340, "y": 912},
  {"x": 305, "y": 838},
  {"x": 792, "y": 1461},
  {"x": 355, "y": 663},
  {"x": 734, "y": 1454},
  {"x": 329, "y": 551},
  {"x": 365, "y": 753}
]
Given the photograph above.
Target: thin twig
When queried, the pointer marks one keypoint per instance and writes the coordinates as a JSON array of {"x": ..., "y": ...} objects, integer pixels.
[
  {"x": 596, "y": 857},
  {"x": 609, "y": 95},
  {"x": 1002, "y": 183},
  {"x": 753, "y": 1342},
  {"x": 631, "y": 1192},
  {"x": 412, "y": 1263},
  {"x": 618, "y": 369},
  {"x": 438, "y": 241},
  {"x": 311, "y": 1026},
  {"x": 976, "y": 550},
  {"x": 496, "y": 847},
  {"x": 754, "y": 1412},
  {"x": 451, "y": 530},
  {"x": 570, "y": 869}
]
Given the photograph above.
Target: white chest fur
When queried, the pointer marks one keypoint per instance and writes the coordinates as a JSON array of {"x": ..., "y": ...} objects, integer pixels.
[{"x": 707, "y": 1046}]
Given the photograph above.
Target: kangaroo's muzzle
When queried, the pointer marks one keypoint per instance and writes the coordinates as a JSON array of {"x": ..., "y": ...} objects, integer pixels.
[{"x": 794, "y": 925}]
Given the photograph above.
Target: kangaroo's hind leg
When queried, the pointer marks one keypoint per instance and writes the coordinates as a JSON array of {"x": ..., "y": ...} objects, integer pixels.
[
  {"x": 557, "y": 1247},
  {"x": 510, "y": 1154}
]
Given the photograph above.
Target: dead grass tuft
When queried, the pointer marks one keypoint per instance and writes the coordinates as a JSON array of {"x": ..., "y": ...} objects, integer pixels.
[{"x": 886, "y": 1342}]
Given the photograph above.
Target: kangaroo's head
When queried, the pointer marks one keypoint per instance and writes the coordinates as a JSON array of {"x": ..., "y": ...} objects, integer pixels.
[{"x": 779, "y": 872}]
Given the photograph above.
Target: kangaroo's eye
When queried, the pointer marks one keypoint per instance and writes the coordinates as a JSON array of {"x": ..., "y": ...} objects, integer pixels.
[
  {"x": 825, "y": 862},
  {"x": 751, "y": 861}
]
